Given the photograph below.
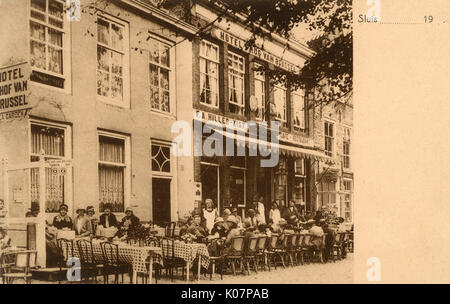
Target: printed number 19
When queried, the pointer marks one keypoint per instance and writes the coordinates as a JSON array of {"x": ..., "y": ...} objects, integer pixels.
[{"x": 428, "y": 19}]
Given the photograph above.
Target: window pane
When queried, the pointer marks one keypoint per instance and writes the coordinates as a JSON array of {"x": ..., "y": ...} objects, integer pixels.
[
  {"x": 160, "y": 158},
  {"x": 37, "y": 52},
  {"x": 154, "y": 97},
  {"x": 56, "y": 9},
  {"x": 103, "y": 31},
  {"x": 55, "y": 37},
  {"x": 116, "y": 63},
  {"x": 55, "y": 63},
  {"x": 117, "y": 37},
  {"x": 165, "y": 101},
  {"x": 164, "y": 83},
  {"x": 111, "y": 187},
  {"x": 56, "y": 23},
  {"x": 112, "y": 149},
  {"x": 51, "y": 140},
  {"x": 102, "y": 59},
  {"x": 38, "y": 5},
  {"x": 37, "y": 31},
  {"x": 116, "y": 87},
  {"x": 102, "y": 83},
  {"x": 154, "y": 75},
  {"x": 38, "y": 15},
  {"x": 165, "y": 55},
  {"x": 154, "y": 50}
]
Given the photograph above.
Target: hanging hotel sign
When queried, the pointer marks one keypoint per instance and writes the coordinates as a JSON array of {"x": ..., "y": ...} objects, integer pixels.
[
  {"x": 256, "y": 51},
  {"x": 14, "y": 90}
]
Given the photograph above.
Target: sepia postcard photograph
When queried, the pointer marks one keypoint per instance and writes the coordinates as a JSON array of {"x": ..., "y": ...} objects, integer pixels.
[{"x": 207, "y": 142}]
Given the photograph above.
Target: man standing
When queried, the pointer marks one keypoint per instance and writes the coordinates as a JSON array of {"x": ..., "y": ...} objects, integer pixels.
[{"x": 290, "y": 211}]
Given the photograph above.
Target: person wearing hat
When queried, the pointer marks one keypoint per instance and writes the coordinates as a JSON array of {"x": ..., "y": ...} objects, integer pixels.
[
  {"x": 274, "y": 214},
  {"x": 81, "y": 224},
  {"x": 93, "y": 221},
  {"x": 209, "y": 214},
  {"x": 290, "y": 211},
  {"x": 107, "y": 219},
  {"x": 187, "y": 224},
  {"x": 234, "y": 212},
  {"x": 129, "y": 220},
  {"x": 34, "y": 210},
  {"x": 219, "y": 229},
  {"x": 317, "y": 232},
  {"x": 251, "y": 216},
  {"x": 196, "y": 228},
  {"x": 234, "y": 230},
  {"x": 62, "y": 220},
  {"x": 226, "y": 214}
]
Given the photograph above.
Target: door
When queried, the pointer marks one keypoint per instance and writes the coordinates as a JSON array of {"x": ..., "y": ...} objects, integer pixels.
[
  {"x": 210, "y": 184},
  {"x": 161, "y": 200}
]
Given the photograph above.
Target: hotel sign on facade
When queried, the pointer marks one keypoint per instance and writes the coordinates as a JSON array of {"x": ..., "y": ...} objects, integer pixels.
[
  {"x": 255, "y": 51},
  {"x": 14, "y": 91}
]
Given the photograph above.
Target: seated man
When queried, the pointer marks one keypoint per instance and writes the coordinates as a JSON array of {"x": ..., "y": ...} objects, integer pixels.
[
  {"x": 108, "y": 219},
  {"x": 196, "y": 228}
]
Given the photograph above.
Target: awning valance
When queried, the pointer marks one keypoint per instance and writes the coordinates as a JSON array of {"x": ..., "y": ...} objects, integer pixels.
[{"x": 284, "y": 150}]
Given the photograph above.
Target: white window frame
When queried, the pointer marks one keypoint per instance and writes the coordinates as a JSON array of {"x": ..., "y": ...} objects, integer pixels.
[
  {"x": 240, "y": 76},
  {"x": 301, "y": 175},
  {"x": 125, "y": 101},
  {"x": 68, "y": 189},
  {"x": 301, "y": 93},
  {"x": 160, "y": 174},
  {"x": 215, "y": 61},
  {"x": 327, "y": 152},
  {"x": 283, "y": 89},
  {"x": 261, "y": 78},
  {"x": 170, "y": 68},
  {"x": 350, "y": 193},
  {"x": 66, "y": 47},
  {"x": 346, "y": 139},
  {"x": 126, "y": 165}
]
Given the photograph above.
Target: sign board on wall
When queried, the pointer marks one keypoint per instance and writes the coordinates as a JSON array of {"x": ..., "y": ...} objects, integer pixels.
[
  {"x": 14, "y": 88},
  {"x": 256, "y": 51}
]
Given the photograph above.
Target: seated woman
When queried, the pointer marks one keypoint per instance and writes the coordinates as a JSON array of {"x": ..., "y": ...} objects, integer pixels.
[
  {"x": 107, "y": 219},
  {"x": 81, "y": 224},
  {"x": 219, "y": 228},
  {"x": 62, "y": 220},
  {"x": 234, "y": 231}
]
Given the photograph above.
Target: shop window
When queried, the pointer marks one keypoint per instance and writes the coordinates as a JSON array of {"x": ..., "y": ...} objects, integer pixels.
[
  {"x": 300, "y": 182},
  {"x": 327, "y": 194},
  {"x": 299, "y": 117},
  {"x": 112, "y": 171},
  {"x": 347, "y": 208},
  {"x": 346, "y": 149},
  {"x": 52, "y": 141},
  {"x": 209, "y": 74},
  {"x": 112, "y": 57},
  {"x": 48, "y": 43},
  {"x": 281, "y": 182},
  {"x": 236, "y": 74},
  {"x": 260, "y": 92},
  {"x": 280, "y": 104},
  {"x": 329, "y": 138},
  {"x": 159, "y": 58}
]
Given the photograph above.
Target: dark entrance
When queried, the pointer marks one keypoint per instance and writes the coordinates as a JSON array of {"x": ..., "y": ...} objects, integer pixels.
[{"x": 161, "y": 200}]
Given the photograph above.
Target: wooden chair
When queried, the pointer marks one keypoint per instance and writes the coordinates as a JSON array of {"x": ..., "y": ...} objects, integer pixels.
[
  {"x": 112, "y": 264},
  {"x": 318, "y": 246},
  {"x": 216, "y": 260},
  {"x": 291, "y": 248},
  {"x": 337, "y": 246},
  {"x": 90, "y": 268},
  {"x": 66, "y": 251},
  {"x": 250, "y": 253},
  {"x": 235, "y": 252},
  {"x": 24, "y": 262},
  {"x": 261, "y": 254},
  {"x": 306, "y": 248},
  {"x": 280, "y": 250},
  {"x": 270, "y": 250},
  {"x": 298, "y": 248},
  {"x": 170, "y": 229},
  {"x": 171, "y": 262}
]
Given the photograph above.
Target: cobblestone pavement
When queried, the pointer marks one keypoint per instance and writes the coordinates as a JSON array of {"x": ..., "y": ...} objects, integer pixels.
[{"x": 339, "y": 272}]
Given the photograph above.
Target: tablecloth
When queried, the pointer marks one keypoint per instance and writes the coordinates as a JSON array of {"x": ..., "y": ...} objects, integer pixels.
[
  {"x": 136, "y": 256},
  {"x": 187, "y": 251}
]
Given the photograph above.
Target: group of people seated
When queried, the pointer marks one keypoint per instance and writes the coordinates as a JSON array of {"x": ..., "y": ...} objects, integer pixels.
[{"x": 209, "y": 225}]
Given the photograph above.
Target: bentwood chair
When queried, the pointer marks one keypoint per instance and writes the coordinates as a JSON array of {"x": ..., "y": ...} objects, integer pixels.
[
  {"x": 20, "y": 269},
  {"x": 235, "y": 252},
  {"x": 270, "y": 250},
  {"x": 306, "y": 248},
  {"x": 291, "y": 248},
  {"x": 298, "y": 248},
  {"x": 250, "y": 253},
  {"x": 261, "y": 254},
  {"x": 171, "y": 262},
  {"x": 66, "y": 251},
  {"x": 113, "y": 265},
  {"x": 336, "y": 253},
  {"x": 90, "y": 267}
]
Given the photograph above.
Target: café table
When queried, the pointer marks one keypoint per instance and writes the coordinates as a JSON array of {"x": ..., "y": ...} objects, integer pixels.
[
  {"x": 189, "y": 252},
  {"x": 136, "y": 256}
]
